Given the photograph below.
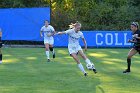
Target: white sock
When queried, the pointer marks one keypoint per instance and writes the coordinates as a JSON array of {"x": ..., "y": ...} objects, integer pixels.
[
  {"x": 81, "y": 68},
  {"x": 0, "y": 62},
  {"x": 53, "y": 51},
  {"x": 47, "y": 54},
  {"x": 87, "y": 61}
]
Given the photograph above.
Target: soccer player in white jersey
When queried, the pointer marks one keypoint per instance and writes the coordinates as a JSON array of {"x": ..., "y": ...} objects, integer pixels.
[
  {"x": 73, "y": 46},
  {"x": 48, "y": 31}
]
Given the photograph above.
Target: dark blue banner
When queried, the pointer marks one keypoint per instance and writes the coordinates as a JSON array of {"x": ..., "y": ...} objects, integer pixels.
[{"x": 23, "y": 23}]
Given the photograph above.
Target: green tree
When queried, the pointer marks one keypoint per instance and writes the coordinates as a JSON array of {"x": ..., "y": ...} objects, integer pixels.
[{"x": 93, "y": 14}]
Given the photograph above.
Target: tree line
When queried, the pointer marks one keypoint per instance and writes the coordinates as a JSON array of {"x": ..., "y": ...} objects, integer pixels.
[{"x": 93, "y": 14}]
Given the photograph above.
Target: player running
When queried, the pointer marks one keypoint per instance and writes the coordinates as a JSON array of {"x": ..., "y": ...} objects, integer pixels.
[
  {"x": 136, "y": 46},
  {"x": 74, "y": 48},
  {"x": 48, "y": 31},
  {"x": 0, "y": 46}
]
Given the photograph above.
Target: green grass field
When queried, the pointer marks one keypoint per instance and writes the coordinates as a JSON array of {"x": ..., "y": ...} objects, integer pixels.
[{"x": 25, "y": 70}]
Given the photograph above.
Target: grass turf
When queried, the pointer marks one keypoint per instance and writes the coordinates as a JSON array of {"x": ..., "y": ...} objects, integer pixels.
[{"x": 25, "y": 70}]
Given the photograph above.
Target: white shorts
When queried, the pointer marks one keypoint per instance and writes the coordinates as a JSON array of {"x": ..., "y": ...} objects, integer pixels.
[
  {"x": 74, "y": 48},
  {"x": 49, "y": 41}
]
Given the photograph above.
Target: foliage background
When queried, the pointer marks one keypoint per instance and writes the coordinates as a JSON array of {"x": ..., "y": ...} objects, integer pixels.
[{"x": 93, "y": 14}]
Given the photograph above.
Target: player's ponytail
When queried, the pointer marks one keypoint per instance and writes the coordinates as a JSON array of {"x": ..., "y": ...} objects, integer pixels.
[{"x": 72, "y": 25}]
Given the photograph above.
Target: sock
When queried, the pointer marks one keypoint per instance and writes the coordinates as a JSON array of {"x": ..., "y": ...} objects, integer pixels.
[
  {"x": 128, "y": 63},
  {"x": 87, "y": 61},
  {"x": 47, "y": 54},
  {"x": 52, "y": 50},
  {"x": 0, "y": 58},
  {"x": 81, "y": 68}
]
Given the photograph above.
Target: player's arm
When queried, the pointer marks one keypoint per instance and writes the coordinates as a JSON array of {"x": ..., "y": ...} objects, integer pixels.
[
  {"x": 137, "y": 36},
  {"x": 65, "y": 32},
  {"x": 41, "y": 32},
  {"x": 0, "y": 32},
  {"x": 131, "y": 41},
  {"x": 41, "y": 35},
  {"x": 60, "y": 33},
  {"x": 53, "y": 33},
  {"x": 85, "y": 43},
  {"x": 0, "y": 39}
]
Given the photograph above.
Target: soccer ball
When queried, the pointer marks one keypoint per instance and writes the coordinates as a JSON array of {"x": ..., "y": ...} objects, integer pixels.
[{"x": 90, "y": 66}]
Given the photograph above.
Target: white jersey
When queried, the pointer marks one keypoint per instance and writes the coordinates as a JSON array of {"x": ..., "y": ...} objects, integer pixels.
[
  {"x": 74, "y": 37},
  {"x": 47, "y": 30}
]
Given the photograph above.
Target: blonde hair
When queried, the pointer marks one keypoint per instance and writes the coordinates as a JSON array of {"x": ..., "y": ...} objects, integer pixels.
[{"x": 72, "y": 25}]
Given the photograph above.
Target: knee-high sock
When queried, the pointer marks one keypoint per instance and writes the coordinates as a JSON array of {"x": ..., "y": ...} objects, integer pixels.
[
  {"x": 87, "y": 61},
  {"x": 52, "y": 50},
  {"x": 47, "y": 54},
  {"x": 0, "y": 58},
  {"x": 81, "y": 68},
  {"x": 128, "y": 63}
]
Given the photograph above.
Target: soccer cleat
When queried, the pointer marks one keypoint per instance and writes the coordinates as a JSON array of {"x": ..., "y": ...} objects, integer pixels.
[
  {"x": 53, "y": 55},
  {"x": 85, "y": 74},
  {"x": 94, "y": 70},
  {"x": 48, "y": 60},
  {"x": 127, "y": 71}
]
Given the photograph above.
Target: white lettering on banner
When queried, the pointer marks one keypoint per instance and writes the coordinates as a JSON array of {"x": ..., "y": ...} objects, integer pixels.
[
  {"x": 117, "y": 40},
  {"x": 125, "y": 40},
  {"x": 97, "y": 36},
  {"x": 108, "y": 37},
  {"x": 112, "y": 39}
]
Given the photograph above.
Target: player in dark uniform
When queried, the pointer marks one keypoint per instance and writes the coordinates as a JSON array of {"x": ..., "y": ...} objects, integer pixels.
[
  {"x": 0, "y": 46},
  {"x": 136, "y": 47}
]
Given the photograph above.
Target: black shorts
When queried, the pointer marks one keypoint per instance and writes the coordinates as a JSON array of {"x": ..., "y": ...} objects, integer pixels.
[{"x": 137, "y": 48}]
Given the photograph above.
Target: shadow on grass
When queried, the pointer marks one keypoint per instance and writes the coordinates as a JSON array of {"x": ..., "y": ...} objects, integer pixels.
[{"x": 29, "y": 68}]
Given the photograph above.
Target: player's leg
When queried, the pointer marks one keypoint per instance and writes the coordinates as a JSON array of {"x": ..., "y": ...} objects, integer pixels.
[
  {"x": 0, "y": 56},
  {"x": 52, "y": 50},
  {"x": 131, "y": 53},
  {"x": 81, "y": 53},
  {"x": 0, "y": 51},
  {"x": 75, "y": 57},
  {"x": 47, "y": 51},
  {"x": 84, "y": 57},
  {"x": 51, "y": 41}
]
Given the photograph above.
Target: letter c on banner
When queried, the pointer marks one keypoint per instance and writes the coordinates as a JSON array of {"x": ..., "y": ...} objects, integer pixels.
[{"x": 99, "y": 35}]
